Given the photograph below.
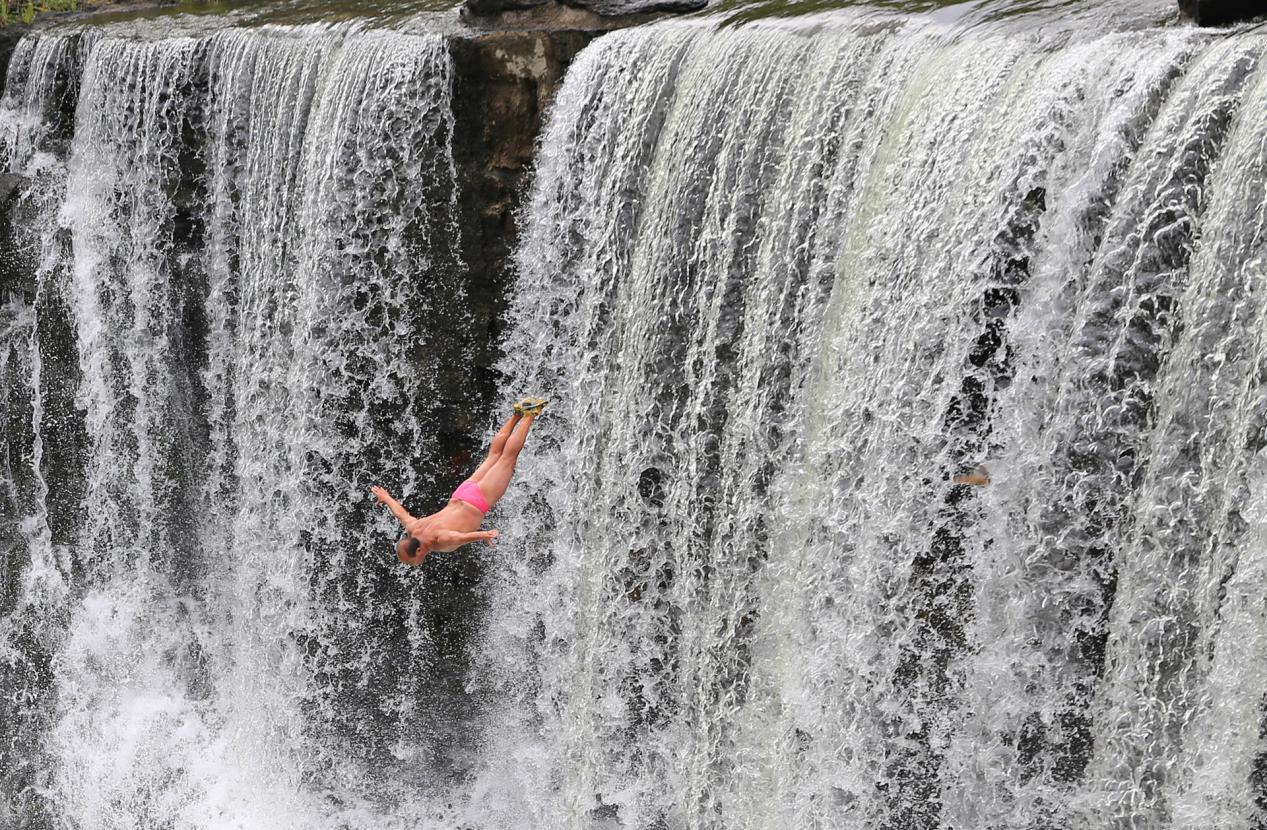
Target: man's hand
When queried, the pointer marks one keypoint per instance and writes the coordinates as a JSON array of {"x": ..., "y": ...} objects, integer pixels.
[{"x": 401, "y": 514}]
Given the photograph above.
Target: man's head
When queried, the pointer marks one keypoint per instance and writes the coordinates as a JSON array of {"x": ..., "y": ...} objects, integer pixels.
[{"x": 410, "y": 551}]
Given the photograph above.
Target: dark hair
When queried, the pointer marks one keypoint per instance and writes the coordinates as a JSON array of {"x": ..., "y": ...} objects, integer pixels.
[{"x": 406, "y": 549}]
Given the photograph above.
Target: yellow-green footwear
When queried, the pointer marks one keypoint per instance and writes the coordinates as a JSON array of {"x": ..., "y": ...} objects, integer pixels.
[{"x": 531, "y": 406}]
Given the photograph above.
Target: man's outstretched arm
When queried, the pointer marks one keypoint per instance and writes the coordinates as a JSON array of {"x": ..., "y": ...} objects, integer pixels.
[
  {"x": 449, "y": 539},
  {"x": 398, "y": 510}
]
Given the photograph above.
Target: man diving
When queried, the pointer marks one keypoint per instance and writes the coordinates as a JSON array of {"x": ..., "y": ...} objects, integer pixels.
[{"x": 458, "y": 522}]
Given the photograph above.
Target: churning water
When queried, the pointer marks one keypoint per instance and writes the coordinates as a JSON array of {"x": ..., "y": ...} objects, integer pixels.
[{"x": 782, "y": 283}]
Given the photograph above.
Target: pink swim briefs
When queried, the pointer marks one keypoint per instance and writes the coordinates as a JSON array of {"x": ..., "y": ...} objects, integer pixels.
[{"x": 469, "y": 492}]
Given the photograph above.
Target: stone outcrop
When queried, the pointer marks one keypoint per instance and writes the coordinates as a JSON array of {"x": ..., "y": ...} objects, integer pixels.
[
  {"x": 1222, "y": 12},
  {"x": 11, "y": 268},
  {"x": 504, "y": 82},
  {"x": 9, "y": 37},
  {"x": 9, "y": 185}
]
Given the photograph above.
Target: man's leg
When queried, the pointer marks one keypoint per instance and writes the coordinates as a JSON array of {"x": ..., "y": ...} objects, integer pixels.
[
  {"x": 497, "y": 478},
  {"x": 496, "y": 448}
]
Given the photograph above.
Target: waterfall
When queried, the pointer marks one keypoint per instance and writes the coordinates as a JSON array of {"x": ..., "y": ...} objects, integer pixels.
[
  {"x": 783, "y": 281},
  {"x": 783, "y": 284},
  {"x": 249, "y": 250}
]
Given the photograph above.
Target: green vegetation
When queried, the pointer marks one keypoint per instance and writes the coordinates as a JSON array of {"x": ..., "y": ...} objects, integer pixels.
[
  {"x": 12, "y": 11},
  {"x": 258, "y": 12}
]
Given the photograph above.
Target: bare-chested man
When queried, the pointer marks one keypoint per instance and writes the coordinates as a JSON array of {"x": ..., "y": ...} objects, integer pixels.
[{"x": 458, "y": 523}]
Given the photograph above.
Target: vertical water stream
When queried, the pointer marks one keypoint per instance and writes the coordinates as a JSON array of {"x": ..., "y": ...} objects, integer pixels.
[
  {"x": 785, "y": 283},
  {"x": 250, "y": 247}
]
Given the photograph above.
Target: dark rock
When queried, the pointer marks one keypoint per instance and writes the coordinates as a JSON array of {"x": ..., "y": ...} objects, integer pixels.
[
  {"x": 13, "y": 263},
  {"x": 10, "y": 184},
  {"x": 9, "y": 37},
  {"x": 1221, "y": 12},
  {"x": 503, "y": 83}
]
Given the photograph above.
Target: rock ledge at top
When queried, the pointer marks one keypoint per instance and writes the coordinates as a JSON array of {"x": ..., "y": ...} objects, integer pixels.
[{"x": 1222, "y": 12}]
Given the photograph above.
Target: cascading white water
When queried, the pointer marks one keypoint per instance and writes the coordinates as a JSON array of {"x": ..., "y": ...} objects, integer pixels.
[
  {"x": 249, "y": 230},
  {"x": 36, "y": 439},
  {"x": 783, "y": 283}
]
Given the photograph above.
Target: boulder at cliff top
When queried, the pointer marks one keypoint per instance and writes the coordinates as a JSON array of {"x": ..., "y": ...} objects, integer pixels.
[{"x": 1222, "y": 12}]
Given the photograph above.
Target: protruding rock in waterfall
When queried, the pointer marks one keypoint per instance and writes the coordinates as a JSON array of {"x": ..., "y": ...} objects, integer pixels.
[{"x": 1222, "y": 12}]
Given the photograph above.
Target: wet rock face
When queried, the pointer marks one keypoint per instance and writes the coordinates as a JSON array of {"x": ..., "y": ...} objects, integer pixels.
[
  {"x": 10, "y": 184},
  {"x": 1222, "y": 12},
  {"x": 9, "y": 38},
  {"x": 503, "y": 83},
  {"x": 13, "y": 267}
]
